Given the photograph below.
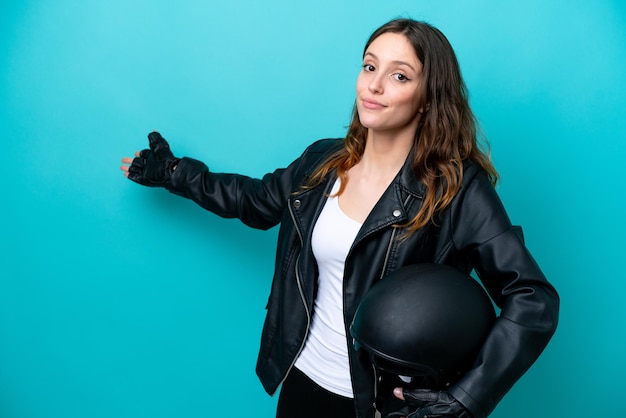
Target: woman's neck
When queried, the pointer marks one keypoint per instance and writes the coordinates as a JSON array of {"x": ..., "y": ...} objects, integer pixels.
[{"x": 384, "y": 155}]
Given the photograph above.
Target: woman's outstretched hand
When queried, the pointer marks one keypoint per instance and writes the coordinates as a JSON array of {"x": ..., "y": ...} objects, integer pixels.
[{"x": 151, "y": 167}]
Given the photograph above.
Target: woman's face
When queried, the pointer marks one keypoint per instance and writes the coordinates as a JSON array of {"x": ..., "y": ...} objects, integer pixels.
[{"x": 390, "y": 88}]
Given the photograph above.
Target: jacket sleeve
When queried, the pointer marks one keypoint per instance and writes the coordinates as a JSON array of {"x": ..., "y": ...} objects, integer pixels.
[
  {"x": 258, "y": 203},
  {"x": 529, "y": 303}
]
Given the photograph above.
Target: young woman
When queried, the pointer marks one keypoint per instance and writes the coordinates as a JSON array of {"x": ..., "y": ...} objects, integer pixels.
[{"x": 407, "y": 185}]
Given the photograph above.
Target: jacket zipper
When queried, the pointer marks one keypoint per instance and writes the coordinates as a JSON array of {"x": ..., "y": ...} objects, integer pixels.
[
  {"x": 301, "y": 291},
  {"x": 393, "y": 235}
]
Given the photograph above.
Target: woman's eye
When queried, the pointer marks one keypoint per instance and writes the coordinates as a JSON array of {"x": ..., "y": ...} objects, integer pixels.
[
  {"x": 400, "y": 77},
  {"x": 368, "y": 67}
]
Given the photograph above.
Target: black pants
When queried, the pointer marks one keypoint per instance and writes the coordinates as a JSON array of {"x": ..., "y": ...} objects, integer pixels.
[{"x": 300, "y": 397}]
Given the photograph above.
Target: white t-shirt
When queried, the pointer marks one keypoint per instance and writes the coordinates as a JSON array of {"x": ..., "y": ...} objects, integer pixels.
[{"x": 324, "y": 357}]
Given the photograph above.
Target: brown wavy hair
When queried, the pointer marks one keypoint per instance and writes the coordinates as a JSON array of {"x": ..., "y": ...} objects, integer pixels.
[{"x": 447, "y": 129}]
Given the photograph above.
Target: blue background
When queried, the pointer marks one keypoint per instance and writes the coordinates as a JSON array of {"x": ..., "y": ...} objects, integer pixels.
[{"x": 123, "y": 301}]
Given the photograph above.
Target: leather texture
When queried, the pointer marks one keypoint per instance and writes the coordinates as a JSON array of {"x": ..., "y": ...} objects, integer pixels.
[{"x": 154, "y": 166}]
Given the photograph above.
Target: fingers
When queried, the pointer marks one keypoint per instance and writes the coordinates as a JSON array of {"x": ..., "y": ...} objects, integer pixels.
[
  {"x": 135, "y": 171},
  {"x": 155, "y": 136},
  {"x": 126, "y": 161},
  {"x": 132, "y": 164},
  {"x": 421, "y": 396},
  {"x": 398, "y": 393},
  {"x": 157, "y": 142}
]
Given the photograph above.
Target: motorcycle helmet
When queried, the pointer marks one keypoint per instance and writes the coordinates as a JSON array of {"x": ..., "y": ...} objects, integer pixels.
[{"x": 424, "y": 320}]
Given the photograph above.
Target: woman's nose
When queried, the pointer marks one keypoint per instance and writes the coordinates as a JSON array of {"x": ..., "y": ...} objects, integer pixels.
[{"x": 376, "y": 85}]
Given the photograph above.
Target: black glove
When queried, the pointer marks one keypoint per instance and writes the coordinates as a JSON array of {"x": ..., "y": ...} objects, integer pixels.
[
  {"x": 154, "y": 167},
  {"x": 434, "y": 404}
]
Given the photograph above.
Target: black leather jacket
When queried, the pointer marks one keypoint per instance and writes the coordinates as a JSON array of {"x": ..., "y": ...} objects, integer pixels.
[{"x": 473, "y": 232}]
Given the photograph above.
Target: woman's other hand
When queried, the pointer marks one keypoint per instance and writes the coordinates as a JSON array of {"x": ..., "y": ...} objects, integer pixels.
[{"x": 432, "y": 404}]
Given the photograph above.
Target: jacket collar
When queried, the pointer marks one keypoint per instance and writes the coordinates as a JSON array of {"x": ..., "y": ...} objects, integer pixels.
[
  {"x": 408, "y": 181},
  {"x": 390, "y": 210}
]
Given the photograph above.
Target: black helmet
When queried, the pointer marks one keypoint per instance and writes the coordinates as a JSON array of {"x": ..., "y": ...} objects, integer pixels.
[{"x": 424, "y": 320}]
